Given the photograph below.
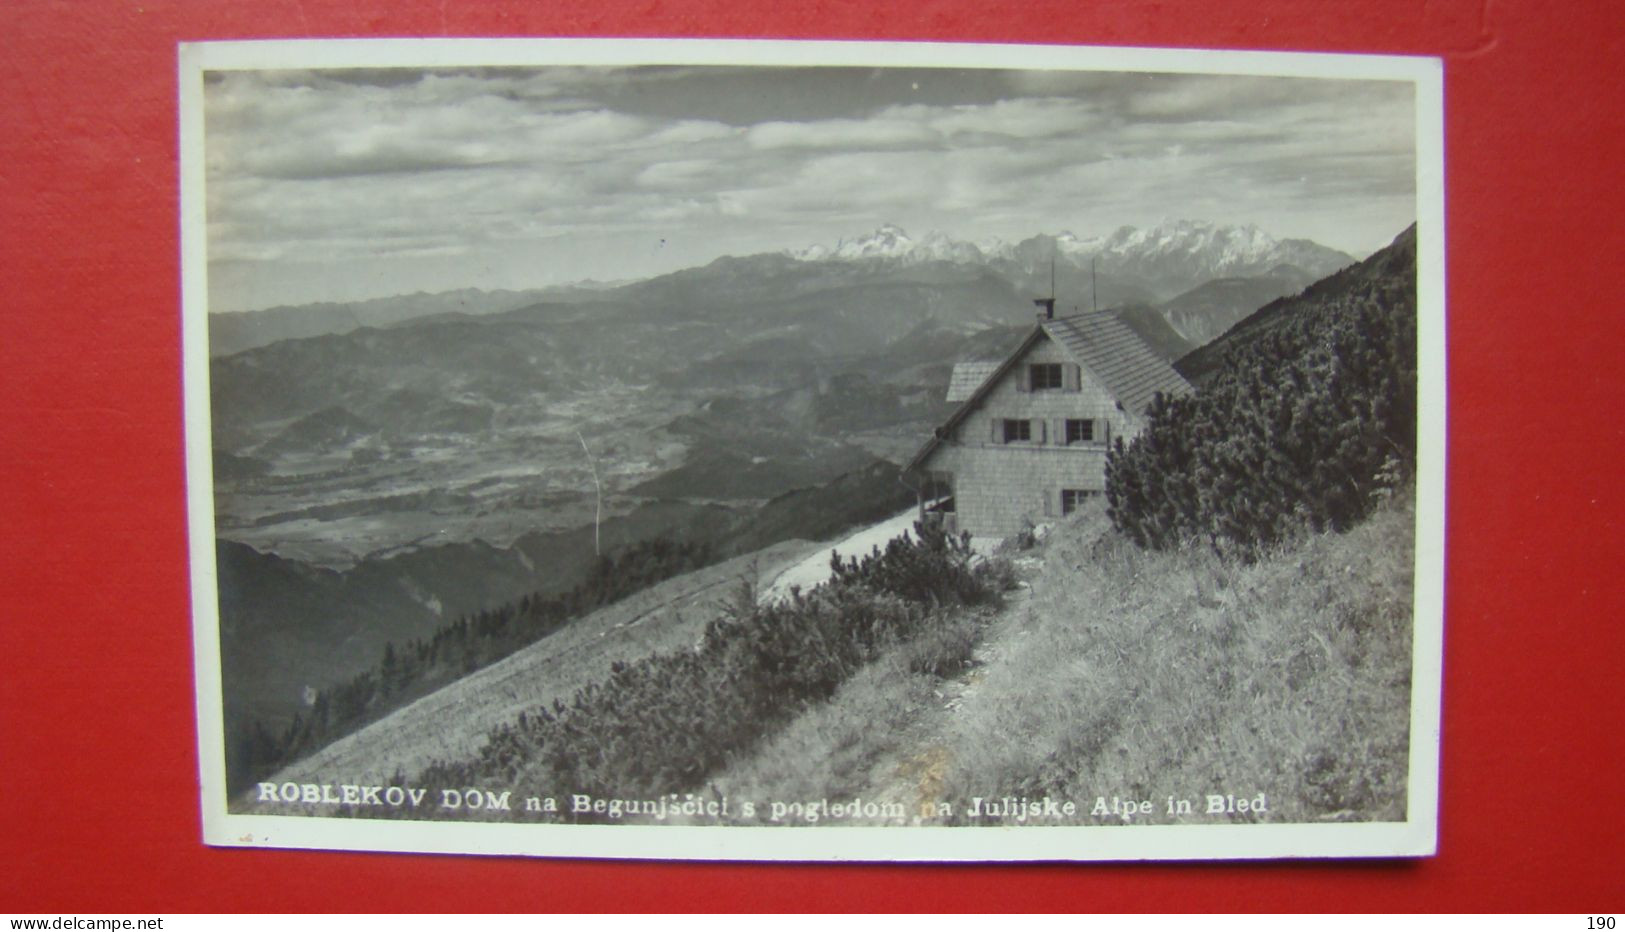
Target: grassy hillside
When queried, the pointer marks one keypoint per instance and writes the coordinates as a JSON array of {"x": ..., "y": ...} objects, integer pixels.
[
  {"x": 1122, "y": 671},
  {"x": 1146, "y": 674},
  {"x": 875, "y": 739},
  {"x": 287, "y": 625},
  {"x": 452, "y": 723},
  {"x": 1141, "y": 675},
  {"x": 411, "y": 668}
]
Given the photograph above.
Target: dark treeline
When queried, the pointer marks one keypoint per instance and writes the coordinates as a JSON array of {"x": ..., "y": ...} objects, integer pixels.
[
  {"x": 1307, "y": 422},
  {"x": 419, "y": 666},
  {"x": 664, "y": 723}
]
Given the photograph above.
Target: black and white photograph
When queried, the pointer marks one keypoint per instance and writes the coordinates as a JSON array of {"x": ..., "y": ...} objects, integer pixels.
[{"x": 809, "y": 451}]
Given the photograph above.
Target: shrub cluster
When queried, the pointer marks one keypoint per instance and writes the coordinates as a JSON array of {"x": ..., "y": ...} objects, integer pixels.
[
  {"x": 936, "y": 568},
  {"x": 1304, "y": 426},
  {"x": 664, "y": 723}
]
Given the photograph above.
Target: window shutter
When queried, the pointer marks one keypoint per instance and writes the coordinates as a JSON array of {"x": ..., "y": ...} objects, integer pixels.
[
  {"x": 1043, "y": 431},
  {"x": 1103, "y": 429},
  {"x": 1074, "y": 378},
  {"x": 998, "y": 425},
  {"x": 1023, "y": 376},
  {"x": 1060, "y": 431},
  {"x": 1049, "y": 503}
]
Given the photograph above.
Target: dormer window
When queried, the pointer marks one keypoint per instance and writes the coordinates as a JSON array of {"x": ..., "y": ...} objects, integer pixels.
[{"x": 1045, "y": 375}]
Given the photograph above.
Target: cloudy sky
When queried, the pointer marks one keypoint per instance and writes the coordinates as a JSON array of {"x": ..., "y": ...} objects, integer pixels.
[{"x": 350, "y": 184}]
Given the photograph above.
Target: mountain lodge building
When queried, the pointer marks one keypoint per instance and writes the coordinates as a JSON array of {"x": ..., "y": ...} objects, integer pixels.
[{"x": 1028, "y": 442}]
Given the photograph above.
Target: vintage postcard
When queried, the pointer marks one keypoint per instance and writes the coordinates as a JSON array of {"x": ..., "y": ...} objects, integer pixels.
[{"x": 814, "y": 451}]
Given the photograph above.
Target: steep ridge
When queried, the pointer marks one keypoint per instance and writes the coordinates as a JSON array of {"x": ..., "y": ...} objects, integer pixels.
[
  {"x": 452, "y": 723},
  {"x": 1216, "y": 305},
  {"x": 1398, "y": 259},
  {"x": 233, "y": 332}
]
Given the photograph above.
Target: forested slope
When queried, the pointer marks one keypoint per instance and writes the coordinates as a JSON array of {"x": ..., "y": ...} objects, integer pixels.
[{"x": 1306, "y": 414}]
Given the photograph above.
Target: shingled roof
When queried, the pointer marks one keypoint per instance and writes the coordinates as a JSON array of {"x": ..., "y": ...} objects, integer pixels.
[
  {"x": 968, "y": 377},
  {"x": 1115, "y": 354},
  {"x": 1100, "y": 341}
]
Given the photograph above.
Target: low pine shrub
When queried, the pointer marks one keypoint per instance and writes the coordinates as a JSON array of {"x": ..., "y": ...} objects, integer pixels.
[
  {"x": 932, "y": 567},
  {"x": 1307, "y": 427},
  {"x": 665, "y": 723}
]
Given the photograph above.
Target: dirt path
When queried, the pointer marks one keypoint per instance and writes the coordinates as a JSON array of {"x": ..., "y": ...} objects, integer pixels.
[{"x": 913, "y": 774}]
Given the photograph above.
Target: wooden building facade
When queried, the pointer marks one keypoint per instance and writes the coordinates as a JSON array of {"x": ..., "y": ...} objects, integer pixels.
[{"x": 1028, "y": 442}]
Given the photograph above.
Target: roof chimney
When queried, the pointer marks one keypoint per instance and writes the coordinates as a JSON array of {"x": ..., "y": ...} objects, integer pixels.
[{"x": 1048, "y": 304}]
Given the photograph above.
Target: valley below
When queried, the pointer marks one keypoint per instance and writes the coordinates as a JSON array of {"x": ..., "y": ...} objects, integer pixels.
[{"x": 336, "y": 502}]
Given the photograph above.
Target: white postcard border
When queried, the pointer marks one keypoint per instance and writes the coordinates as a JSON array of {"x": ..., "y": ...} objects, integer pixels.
[{"x": 1415, "y": 837}]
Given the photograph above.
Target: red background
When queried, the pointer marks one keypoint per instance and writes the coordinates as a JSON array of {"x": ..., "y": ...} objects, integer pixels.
[{"x": 98, "y": 772}]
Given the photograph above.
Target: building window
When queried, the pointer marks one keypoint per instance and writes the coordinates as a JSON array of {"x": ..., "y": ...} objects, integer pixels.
[
  {"x": 1072, "y": 499},
  {"x": 1079, "y": 431},
  {"x": 1017, "y": 431},
  {"x": 1044, "y": 375}
]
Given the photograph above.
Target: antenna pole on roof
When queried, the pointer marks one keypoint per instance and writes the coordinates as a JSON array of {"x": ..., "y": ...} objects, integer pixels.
[{"x": 1094, "y": 292}]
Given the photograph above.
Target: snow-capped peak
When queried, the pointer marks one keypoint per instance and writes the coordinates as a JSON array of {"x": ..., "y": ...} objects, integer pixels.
[
  {"x": 888, "y": 242},
  {"x": 893, "y": 242},
  {"x": 1220, "y": 246},
  {"x": 1182, "y": 248}
]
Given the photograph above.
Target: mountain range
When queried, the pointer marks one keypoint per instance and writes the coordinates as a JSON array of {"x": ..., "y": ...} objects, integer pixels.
[
  {"x": 740, "y": 379},
  {"x": 1155, "y": 267},
  {"x": 1177, "y": 255}
]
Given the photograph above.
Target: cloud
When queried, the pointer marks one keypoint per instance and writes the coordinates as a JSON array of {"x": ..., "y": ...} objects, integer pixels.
[
  {"x": 1025, "y": 119},
  {"x": 391, "y": 166},
  {"x": 863, "y": 135}
]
